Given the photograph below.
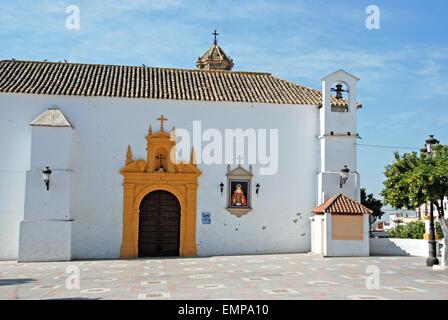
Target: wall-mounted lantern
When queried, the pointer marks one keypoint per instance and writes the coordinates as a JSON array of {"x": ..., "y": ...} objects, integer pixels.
[
  {"x": 257, "y": 188},
  {"x": 222, "y": 187},
  {"x": 46, "y": 173},
  {"x": 343, "y": 176}
]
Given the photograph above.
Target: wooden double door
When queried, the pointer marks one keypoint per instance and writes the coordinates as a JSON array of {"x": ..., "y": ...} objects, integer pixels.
[{"x": 159, "y": 225}]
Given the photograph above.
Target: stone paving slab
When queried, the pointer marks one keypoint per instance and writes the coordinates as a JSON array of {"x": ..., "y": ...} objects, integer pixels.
[{"x": 281, "y": 276}]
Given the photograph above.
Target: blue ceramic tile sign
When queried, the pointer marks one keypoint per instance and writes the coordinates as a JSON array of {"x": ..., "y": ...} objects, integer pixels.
[{"x": 206, "y": 218}]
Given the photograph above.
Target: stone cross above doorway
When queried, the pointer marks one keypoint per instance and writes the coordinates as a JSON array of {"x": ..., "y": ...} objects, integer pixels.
[{"x": 162, "y": 119}]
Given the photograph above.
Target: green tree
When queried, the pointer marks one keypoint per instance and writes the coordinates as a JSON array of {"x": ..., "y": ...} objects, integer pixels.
[
  {"x": 412, "y": 230},
  {"x": 413, "y": 180},
  {"x": 397, "y": 183},
  {"x": 369, "y": 201}
]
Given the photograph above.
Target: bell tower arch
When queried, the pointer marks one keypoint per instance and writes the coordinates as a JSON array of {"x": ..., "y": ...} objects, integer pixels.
[{"x": 338, "y": 136}]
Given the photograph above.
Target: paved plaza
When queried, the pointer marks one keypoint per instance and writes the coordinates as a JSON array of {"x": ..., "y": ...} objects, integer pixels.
[{"x": 285, "y": 276}]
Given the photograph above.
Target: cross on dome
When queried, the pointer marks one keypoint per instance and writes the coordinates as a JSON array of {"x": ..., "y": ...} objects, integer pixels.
[{"x": 215, "y": 40}]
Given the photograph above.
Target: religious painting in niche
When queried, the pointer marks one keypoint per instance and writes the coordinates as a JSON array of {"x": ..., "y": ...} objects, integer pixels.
[{"x": 239, "y": 191}]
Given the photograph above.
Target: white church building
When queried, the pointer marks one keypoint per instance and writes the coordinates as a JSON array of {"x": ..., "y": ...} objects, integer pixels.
[{"x": 91, "y": 166}]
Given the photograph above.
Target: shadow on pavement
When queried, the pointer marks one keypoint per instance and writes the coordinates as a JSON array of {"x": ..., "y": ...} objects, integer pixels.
[
  {"x": 14, "y": 282},
  {"x": 73, "y": 298}
]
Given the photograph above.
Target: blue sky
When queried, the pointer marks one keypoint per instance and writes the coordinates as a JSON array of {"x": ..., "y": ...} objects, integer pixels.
[{"x": 403, "y": 66}]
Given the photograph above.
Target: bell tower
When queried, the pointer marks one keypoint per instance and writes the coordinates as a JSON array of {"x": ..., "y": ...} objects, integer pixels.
[{"x": 338, "y": 137}]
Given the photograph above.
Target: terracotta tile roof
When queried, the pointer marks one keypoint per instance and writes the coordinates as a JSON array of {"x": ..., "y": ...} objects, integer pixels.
[
  {"x": 341, "y": 204},
  {"x": 55, "y": 78}
]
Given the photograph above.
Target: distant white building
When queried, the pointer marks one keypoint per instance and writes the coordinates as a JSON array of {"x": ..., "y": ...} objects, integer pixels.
[
  {"x": 424, "y": 210},
  {"x": 402, "y": 217},
  {"x": 424, "y": 213}
]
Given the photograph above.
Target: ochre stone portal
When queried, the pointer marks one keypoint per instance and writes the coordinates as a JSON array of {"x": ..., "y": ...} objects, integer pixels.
[{"x": 159, "y": 172}]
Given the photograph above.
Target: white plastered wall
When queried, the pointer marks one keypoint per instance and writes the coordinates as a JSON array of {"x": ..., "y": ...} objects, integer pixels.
[
  {"x": 45, "y": 232},
  {"x": 103, "y": 128}
]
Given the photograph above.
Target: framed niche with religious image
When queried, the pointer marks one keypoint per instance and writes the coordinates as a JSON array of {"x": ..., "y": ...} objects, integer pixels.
[{"x": 239, "y": 191}]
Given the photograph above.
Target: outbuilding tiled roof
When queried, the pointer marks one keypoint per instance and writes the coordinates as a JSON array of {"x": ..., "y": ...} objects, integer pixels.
[
  {"x": 56, "y": 78},
  {"x": 341, "y": 204}
]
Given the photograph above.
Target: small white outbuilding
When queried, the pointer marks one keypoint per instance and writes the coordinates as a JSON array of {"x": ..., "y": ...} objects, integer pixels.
[{"x": 340, "y": 227}]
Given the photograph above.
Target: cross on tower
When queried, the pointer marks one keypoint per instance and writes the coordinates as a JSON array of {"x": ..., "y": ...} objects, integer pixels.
[
  {"x": 161, "y": 119},
  {"x": 215, "y": 34}
]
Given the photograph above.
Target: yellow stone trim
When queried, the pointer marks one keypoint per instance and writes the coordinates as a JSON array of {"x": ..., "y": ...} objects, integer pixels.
[
  {"x": 426, "y": 236},
  {"x": 141, "y": 178}
]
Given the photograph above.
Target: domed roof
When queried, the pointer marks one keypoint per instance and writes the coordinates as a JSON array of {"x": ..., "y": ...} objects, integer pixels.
[{"x": 214, "y": 58}]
